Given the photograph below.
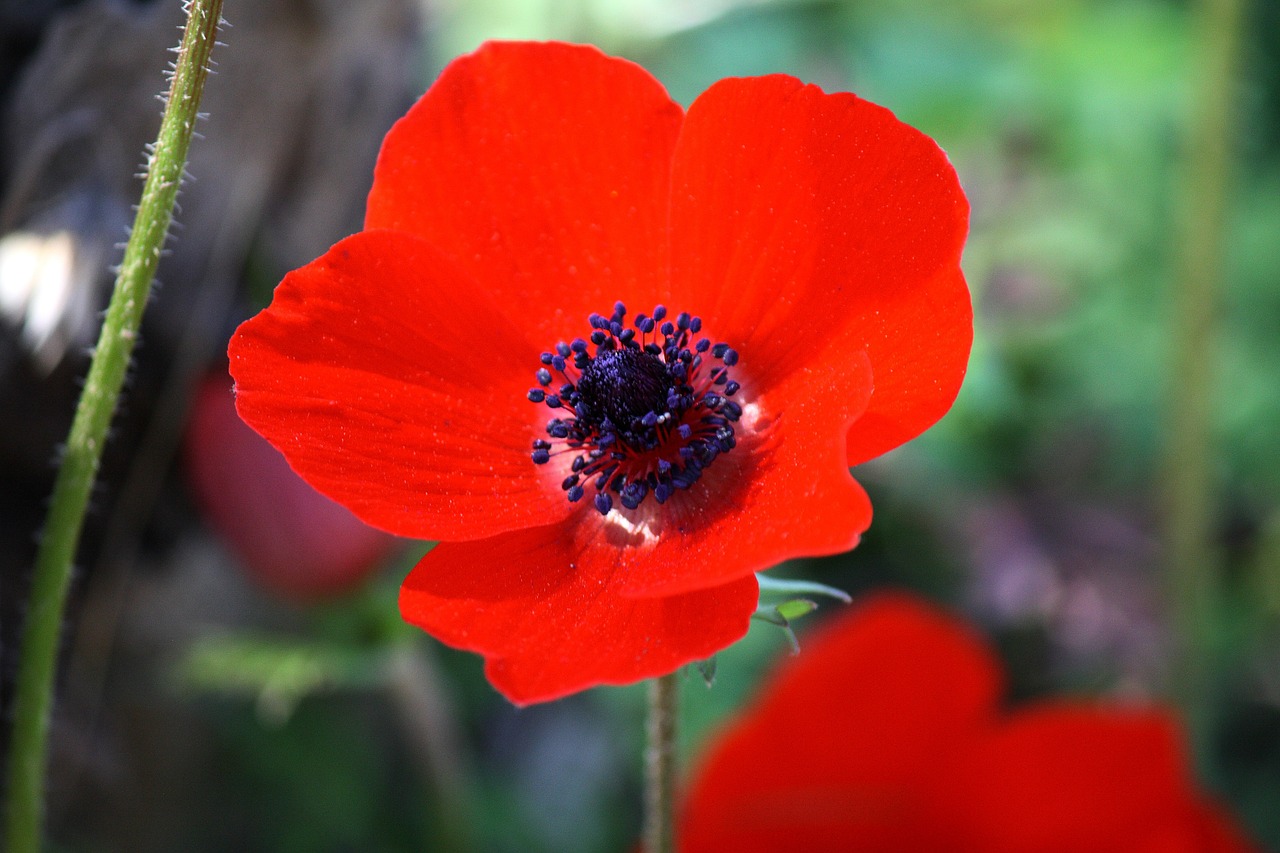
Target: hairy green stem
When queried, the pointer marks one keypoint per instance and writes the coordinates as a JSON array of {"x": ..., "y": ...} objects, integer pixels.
[
  {"x": 52, "y": 576},
  {"x": 660, "y": 765},
  {"x": 1190, "y": 493}
]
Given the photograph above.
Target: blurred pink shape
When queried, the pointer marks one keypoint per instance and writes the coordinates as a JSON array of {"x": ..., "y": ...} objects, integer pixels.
[{"x": 290, "y": 538}]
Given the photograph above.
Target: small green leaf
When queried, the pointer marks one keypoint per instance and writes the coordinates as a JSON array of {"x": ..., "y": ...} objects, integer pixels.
[
  {"x": 785, "y": 586},
  {"x": 770, "y": 615},
  {"x": 774, "y": 616},
  {"x": 796, "y": 607}
]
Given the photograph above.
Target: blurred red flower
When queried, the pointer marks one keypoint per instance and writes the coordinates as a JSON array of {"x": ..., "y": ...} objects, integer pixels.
[
  {"x": 604, "y": 488},
  {"x": 291, "y": 539},
  {"x": 886, "y": 734}
]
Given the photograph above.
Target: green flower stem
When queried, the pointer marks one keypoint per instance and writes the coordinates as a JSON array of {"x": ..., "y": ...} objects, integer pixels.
[
  {"x": 419, "y": 693},
  {"x": 660, "y": 765},
  {"x": 1190, "y": 492},
  {"x": 34, "y": 691}
]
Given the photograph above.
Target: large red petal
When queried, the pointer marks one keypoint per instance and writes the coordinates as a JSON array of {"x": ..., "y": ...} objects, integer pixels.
[
  {"x": 798, "y": 217},
  {"x": 544, "y": 171},
  {"x": 543, "y": 607},
  {"x": 1067, "y": 778},
  {"x": 785, "y": 491},
  {"x": 395, "y": 386},
  {"x": 835, "y": 755}
]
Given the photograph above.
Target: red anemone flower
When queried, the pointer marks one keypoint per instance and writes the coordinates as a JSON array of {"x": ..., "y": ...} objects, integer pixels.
[
  {"x": 614, "y": 356},
  {"x": 886, "y": 735}
]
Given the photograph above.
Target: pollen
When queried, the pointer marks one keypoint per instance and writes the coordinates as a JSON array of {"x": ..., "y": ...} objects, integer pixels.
[{"x": 642, "y": 410}]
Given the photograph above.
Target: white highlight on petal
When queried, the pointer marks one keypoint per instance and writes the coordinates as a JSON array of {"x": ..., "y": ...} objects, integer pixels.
[{"x": 641, "y": 528}]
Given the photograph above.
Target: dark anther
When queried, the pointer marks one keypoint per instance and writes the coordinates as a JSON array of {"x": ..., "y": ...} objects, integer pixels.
[{"x": 623, "y": 385}]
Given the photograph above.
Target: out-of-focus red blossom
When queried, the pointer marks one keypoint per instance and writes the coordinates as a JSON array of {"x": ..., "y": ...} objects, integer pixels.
[
  {"x": 887, "y": 735},
  {"x": 424, "y": 374},
  {"x": 293, "y": 540}
]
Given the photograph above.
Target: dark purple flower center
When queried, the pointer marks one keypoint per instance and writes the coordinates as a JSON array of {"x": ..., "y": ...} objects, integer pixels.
[{"x": 644, "y": 410}]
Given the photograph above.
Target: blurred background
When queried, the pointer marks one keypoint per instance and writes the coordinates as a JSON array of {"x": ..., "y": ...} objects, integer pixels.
[{"x": 232, "y": 681}]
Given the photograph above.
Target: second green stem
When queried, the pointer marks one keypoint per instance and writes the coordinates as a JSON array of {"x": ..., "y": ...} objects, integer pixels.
[{"x": 660, "y": 765}]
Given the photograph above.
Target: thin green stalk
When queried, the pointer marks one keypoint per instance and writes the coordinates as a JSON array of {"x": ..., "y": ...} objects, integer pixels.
[
  {"x": 34, "y": 690},
  {"x": 1190, "y": 495},
  {"x": 419, "y": 693},
  {"x": 660, "y": 765}
]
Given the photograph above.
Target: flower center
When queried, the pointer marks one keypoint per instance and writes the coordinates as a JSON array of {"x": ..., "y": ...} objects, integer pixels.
[
  {"x": 642, "y": 415},
  {"x": 622, "y": 386}
]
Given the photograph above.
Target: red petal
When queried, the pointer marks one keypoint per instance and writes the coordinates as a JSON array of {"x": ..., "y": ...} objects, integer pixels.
[
  {"x": 797, "y": 216},
  {"x": 919, "y": 349},
  {"x": 834, "y": 756},
  {"x": 1067, "y": 778},
  {"x": 882, "y": 736},
  {"x": 542, "y": 606},
  {"x": 395, "y": 386},
  {"x": 785, "y": 491},
  {"x": 543, "y": 170}
]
